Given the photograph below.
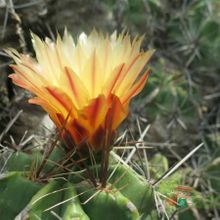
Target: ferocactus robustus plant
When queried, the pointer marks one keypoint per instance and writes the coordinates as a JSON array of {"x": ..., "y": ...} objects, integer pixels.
[{"x": 86, "y": 88}]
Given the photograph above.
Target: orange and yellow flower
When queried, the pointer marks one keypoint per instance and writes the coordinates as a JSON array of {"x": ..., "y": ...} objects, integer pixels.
[{"x": 91, "y": 82}]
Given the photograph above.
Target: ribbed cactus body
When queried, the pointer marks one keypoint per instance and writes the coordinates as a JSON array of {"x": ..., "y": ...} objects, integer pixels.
[
  {"x": 15, "y": 193},
  {"x": 108, "y": 203},
  {"x": 126, "y": 196}
]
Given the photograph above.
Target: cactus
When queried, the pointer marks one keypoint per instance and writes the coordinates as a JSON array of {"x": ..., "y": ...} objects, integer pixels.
[
  {"x": 76, "y": 178},
  {"x": 125, "y": 196}
]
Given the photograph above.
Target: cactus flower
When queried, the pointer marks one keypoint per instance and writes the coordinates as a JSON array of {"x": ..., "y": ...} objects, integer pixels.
[{"x": 91, "y": 81}]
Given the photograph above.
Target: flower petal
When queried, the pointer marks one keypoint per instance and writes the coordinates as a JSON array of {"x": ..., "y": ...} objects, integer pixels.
[
  {"x": 96, "y": 111},
  {"x": 136, "y": 88},
  {"x": 116, "y": 113},
  {"x": 76, "y": 89},
  {"x": 48, "y": 108},
  {"x": 91, "y": 75},
  {"x": 113, "y": 79}
]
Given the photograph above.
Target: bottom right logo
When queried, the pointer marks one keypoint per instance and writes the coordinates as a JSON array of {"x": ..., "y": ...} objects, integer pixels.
[{"x": 181, "y": 197}]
